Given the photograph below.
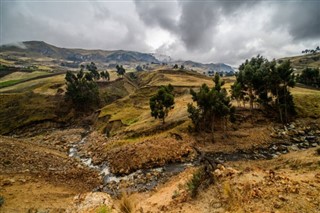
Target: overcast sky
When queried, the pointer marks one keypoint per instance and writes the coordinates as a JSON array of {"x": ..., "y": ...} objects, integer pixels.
[{"x": 204, "y": 31}]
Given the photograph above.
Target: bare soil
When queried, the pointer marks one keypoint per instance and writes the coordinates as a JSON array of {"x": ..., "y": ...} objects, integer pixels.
[{"x": 36, "y": 177}]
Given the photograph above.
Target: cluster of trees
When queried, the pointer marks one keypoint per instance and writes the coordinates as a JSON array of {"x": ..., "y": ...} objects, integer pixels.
[
  {"x": 260, "y": 82},
  {"x": 120, "y": 70},
  {"x": 176, "y": 66},
  {"x": 82, "y": 89},
  {"x": 310, "y": 77},
  {"x": 317, "y": 49},
  {"x": 213, "y": 106},
  {"x": 267, "y": 84},
  {"x": 94, "y": 73}
]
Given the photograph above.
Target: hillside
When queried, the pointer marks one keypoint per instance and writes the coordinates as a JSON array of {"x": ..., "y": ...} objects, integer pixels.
[
  {"x": 121, "y": 147},
  {"x": 302, "y": 61},
  {"x": 46, "y": 57}
]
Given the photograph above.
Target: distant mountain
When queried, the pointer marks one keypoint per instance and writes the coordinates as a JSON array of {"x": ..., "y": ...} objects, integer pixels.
[
  {"x": 73, "y": 57},
  {"x": 162, "y": 58},
  {"x": 40, "y": 48},
  {"x": 219, "y": 67}
]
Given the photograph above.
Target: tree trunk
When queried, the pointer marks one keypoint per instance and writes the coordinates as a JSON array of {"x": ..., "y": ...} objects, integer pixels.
[{"x": 212, "y": 128}]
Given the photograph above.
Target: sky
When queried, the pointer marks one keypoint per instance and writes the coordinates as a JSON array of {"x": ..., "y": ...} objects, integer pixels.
[{"x": 206, "y": 31}]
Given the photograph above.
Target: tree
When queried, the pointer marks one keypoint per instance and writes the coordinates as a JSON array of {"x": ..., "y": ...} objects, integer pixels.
[
  {"x": 139, "y": 68},
  {"x": 267, "y": 83},
  {"x": 82, "y": 90},
  {"x": 120, "y": 70},
  {"x": 94, "y": 70},
  {"x": 182, "y": 67},
  {"x": 105, "y": 75},
  {"x": 213, "y": 105},
  {"x": 162, "y": 102},
  {"x": 175, "y": 66},
  {"x": 310, "y": 77}
]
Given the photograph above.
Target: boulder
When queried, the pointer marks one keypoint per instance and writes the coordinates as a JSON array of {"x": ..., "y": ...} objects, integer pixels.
[{"x": 92, "y": 202}]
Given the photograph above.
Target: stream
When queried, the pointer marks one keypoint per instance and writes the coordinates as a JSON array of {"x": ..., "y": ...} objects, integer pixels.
[
  {"x": 147, "y": 179},
  {"x": 140, "y": 180}
]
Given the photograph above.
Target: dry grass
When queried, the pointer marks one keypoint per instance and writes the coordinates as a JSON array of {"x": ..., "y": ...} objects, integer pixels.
[
  {"x": 22, "y": 75},
  {"x": 126, "y": 204},
  {"x": 307, "y": 102},
  {"x": 41, "y": 86}
]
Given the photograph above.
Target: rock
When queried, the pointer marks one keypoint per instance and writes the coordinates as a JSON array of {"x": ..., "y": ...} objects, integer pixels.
[
  {"x": 310, "y": 138},
  {"x": 277, "y": 205},
  {"x": 296, "y": 140},
  {"x": 293, "y": 148},
  {"x": 87, "y": 202},
  {"x": 301, "y": 132},
  {"x": 314, "y": 144},
  {"x": 291, "y": 126},
  {"x": 8, "y": 182},
  {"x": 282, "y": 198}
]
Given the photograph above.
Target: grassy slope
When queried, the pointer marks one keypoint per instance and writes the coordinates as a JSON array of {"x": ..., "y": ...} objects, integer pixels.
[
  {"x": 302, "y": 61},
  {"x": 133, "y": 110}
]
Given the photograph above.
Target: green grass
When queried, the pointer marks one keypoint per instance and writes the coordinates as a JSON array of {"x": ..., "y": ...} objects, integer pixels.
[
  {"x": 8, "y": 83},
  {"x": 307, "y": 102}
]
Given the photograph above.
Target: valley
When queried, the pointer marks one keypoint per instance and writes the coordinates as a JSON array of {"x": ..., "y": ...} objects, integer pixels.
[{"x": 56, "y": 158}]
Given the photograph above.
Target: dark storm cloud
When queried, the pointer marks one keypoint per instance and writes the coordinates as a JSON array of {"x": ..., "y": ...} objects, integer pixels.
[
  {"x": 157, "y": 13},
  {"x": 208, "y": 31},
  {"x": 302, "y": 19}
]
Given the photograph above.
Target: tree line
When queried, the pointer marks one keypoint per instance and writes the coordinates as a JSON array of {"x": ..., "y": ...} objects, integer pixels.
[
  {"x": 82, "y": 89},
  {"x": 259, "y": 82}
]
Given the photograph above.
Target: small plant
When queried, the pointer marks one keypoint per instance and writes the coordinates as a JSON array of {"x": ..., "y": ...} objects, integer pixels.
[
  {"x": 194, "y": 183},
  {"x": 126, "y": 205},
  {"x": 176, "y": 194},
  {"x": 1, "y": 200},
  {"x": 103, "y": 209},
  {"x": 318, "y": 151}
]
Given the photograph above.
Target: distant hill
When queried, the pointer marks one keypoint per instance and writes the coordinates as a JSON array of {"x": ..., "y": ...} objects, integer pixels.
[
  {"x": 40, "y": 48},
  {"x": 219, "y": 67},
  {"x": 73, "y": 57},
  {"x": 302, "y": 61}
]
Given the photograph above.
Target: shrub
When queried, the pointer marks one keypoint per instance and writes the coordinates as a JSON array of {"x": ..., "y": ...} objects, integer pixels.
[
  {"x": 103, "y": 209},
  {"x": 194, "y": 183},
  {"x": 126, "y": 205},
  {"x": 1, "y": 200}
]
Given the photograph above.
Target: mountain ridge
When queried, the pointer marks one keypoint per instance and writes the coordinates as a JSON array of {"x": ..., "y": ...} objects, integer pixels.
[{"x": 79, "y": 55}]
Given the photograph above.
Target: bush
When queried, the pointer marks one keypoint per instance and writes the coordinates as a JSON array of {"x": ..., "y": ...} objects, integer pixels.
[
  {"x": 194, "y": 183},
  {"x": 103, "y": 209},
  {"x": 1, "y": 200},
  {"x": 126, "y": 205}
]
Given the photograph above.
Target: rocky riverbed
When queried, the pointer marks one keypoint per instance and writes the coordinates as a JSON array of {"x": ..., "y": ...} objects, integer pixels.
[{"x": 291, "y": 137}]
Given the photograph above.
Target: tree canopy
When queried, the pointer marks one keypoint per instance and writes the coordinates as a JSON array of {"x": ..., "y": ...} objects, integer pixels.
[
  {"x": 82, "y": 90},
  {"x": 162, "y": 102},
  {"x": 120, "y": 70},
  {"x": 212, "y": 105},
  {"x": 267, "y": 84}
]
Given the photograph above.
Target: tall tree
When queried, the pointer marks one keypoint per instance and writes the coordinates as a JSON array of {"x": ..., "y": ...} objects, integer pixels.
[
  {"x": 213, "y": 105},
  {"x": 94, "y": 70},
  {"x": 82, "y": 90},
  {"x": 162, "y": 102},
  {"x": 120, "y": 70}
]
